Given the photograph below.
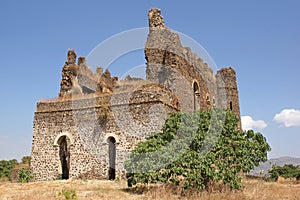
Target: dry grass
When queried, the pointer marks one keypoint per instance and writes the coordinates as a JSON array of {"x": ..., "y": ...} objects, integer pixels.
[{"x": 94, "y": 189}]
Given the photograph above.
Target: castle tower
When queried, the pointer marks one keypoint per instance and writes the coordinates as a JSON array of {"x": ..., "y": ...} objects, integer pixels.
[
  {"x": 227, "y": 91},
  {"x": 176, "y": 67}
]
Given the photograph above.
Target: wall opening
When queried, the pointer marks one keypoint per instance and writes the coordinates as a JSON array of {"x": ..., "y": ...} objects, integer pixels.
[
  {"x": 64, "y": 155},
  {"x": 196, "y": 93},
  {"x": 230, "y": 105},
  {"x": 207, "y": 99},
  {"x": 112, "y": 158}
]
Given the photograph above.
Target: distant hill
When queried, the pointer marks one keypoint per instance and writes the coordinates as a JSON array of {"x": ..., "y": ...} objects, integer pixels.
[{"x": 263, "y": 168}]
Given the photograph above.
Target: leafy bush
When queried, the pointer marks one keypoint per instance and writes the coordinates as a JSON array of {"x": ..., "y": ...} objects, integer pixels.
[
  {"x": 25, "y": 176},
  {"x": 188, "y": 135},
  {"x": 59, "y": 177},
  {"x": 6, "y": 168},
  {"x": 69, "y": 194},
  {"x": 286, "y": 171}
]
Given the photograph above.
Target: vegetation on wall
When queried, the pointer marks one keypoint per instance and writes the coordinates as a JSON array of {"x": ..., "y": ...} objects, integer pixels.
[{"x": 188, "y": 135}]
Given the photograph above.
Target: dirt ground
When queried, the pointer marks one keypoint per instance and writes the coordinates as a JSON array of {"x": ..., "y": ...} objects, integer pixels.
[{"x": 96, "y": 189}]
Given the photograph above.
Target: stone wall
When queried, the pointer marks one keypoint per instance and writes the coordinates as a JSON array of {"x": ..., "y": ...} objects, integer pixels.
[
  {"x": 186, "y": 74},
  {"x": 228, "y": 92},
  {"x": 176, "y": 67},
  {"x": 128, "y": 117}
]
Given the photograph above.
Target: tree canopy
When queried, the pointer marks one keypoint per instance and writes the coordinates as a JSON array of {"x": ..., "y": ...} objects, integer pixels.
[{"x": 196, "y": 149}]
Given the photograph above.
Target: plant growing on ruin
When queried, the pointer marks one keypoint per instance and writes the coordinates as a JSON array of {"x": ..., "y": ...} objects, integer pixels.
[{"x": 231, "y": 151}]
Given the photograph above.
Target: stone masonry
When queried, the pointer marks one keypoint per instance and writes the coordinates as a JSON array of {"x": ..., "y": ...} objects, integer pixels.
[{"x": 96, "y": 121}]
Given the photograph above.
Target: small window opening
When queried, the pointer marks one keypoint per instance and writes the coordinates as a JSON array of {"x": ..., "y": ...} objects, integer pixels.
[
  {"x": 196, "y": 92},
  {"x": 207, "y": 99}
]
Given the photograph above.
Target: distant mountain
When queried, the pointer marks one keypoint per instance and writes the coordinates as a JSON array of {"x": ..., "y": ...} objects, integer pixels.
[{"x": 263, "y": 168}]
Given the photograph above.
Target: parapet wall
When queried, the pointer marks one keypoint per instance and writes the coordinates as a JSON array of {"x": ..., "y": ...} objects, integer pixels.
[{"x": 149, "y": 93}]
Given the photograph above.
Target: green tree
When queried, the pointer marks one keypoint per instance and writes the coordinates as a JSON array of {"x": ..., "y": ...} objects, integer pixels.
[
  {"x": 6, "y": 168},
  {"x": 286, "y": 171},
  {"x": 26, "y": 160},
  {"x": 229, "y": 151}
]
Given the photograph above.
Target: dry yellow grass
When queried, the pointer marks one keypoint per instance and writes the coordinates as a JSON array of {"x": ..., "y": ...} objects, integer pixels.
[{"x": 95, "y": 189}]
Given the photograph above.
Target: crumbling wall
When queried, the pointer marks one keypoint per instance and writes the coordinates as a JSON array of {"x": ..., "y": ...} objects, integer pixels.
[
  {"x": 106, "y": 83},
  {"x": 69, "y": 74},
  {"x": 155, "y": 18},
  {"x": 80, "y": 79},
  {"x": 86, "y": 78},
  {"x": 176, "y": 67},
  {"x": 181, "y": 70}
]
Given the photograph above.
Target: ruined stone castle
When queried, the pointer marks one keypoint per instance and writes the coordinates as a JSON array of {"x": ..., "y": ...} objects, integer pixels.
[{"x": 96, "y": 121}]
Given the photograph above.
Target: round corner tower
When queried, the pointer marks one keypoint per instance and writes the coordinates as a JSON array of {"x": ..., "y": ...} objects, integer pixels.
[{"x": 228, "y": 96}]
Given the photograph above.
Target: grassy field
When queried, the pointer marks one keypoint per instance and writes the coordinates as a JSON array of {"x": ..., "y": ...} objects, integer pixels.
[{"x": 114, "y": 190}]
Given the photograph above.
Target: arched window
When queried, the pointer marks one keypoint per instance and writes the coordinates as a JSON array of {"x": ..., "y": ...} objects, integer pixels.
[
  {"x": 112, "y": 158},
  {"x": 230, "y": 105},
  {"x": 196, "y": 93}
]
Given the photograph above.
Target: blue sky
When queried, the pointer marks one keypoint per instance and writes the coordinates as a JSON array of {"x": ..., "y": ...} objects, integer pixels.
[{"x": 260, "y": 39}]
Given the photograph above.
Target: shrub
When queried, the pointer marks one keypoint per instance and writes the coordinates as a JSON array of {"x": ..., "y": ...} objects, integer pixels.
[
  {"x": 59, "y": 177},
  {"x": 69, "y": 194},
  {"x": 25, "y": 176}
]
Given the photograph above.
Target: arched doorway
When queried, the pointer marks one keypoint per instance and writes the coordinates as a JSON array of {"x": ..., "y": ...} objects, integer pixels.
[
  {"x": 196, "y": 93},
  {"x": 112, "y": 158},
  {"x": 64, "y": 155}
]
